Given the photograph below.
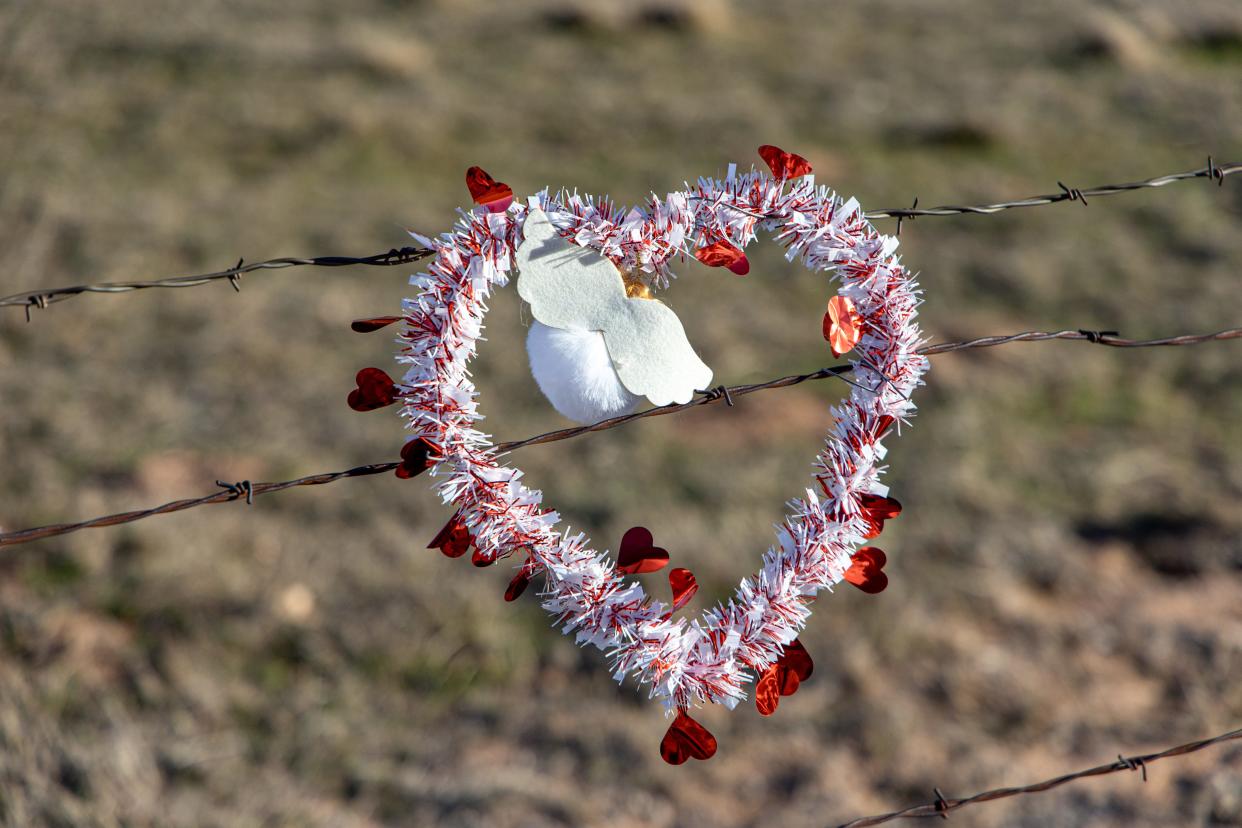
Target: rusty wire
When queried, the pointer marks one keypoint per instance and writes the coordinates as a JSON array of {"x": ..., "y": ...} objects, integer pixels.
[
  {"x": 1212, "y": 172},
  {"x": 248, "y": 491},
  {"x": 42, "y": 298},
  {"x": 942, "y": 805}
]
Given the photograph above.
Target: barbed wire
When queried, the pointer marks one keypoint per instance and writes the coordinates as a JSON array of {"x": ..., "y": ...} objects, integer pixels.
[
  {"x": 942, "y": 806},
  {"x": 246, "y": 489},
  {"x": 1213, "y": 172},
  {"x": 41, "y": 298}
]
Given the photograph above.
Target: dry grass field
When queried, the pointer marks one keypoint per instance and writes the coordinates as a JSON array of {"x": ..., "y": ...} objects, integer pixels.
[{"x": 1066, "y": 577}]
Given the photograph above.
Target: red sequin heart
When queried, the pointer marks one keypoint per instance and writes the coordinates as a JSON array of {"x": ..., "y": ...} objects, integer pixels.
[
  {"x": 373, "y": 324},
  {"x": 414, "y": 458},
  {"x": 684, "y": 586},
  {"x": 784, "y": 164},
  {"x": 724, "y": 254},
  {"x": 375, "y": 390},
  {"x": 842, "y": 325},
  {"x": 487, "y": 191},
  {"x": 783, "y": 677},
  {"x": 639, "y": 554},
  {"x": 454, "y": 539},
  {"x": 518, "y": 585},
  {"x": 877, "y": 509},
  {"x": 686, "y": 739},
  {"x": 866, "y": 570}
]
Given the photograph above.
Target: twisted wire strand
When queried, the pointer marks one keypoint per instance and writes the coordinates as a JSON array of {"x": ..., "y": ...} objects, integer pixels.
[
  {"x": 1212, "y": 172},
  {"x": 249, "y": 491},
  {"x": 942, "y": 806},
  {"x": 41, "y": 298}
]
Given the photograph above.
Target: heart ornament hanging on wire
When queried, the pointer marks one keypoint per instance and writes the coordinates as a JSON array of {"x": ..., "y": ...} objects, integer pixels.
[{"x": 590, "y": 270}]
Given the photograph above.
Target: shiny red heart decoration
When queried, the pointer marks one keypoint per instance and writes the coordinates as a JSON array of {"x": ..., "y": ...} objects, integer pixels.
[
  {"x": 784, "y": 165},
  {"x": 375, "y": 390},
  {"x": 783, "y": 677},
  {"x": 724, "y": 253},
  {"x": 684, "y": 586},
  {"x": 415, "y": 458},
  {"x": 487, "y": 191},
  {"x": 877, "y": 509},
  {"x": 454, "y": 539},
  {"x": 842, "y": 325},
  {"x": 639, "y": 554},
  {"x": 866, "y": 570},
  {"x": 517, "y": 585},
  {"x": 686, "y": 739}
]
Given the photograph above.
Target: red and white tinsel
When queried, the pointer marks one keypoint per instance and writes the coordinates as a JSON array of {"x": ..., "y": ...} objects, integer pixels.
[{"x": 711, "y": 658}]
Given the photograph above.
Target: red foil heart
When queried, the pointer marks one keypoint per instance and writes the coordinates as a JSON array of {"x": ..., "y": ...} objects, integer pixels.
[
  {"x": 518, "y": 585},
  {"x": 454, "y": 539},
  {"x": 784, "y": 165},
  {"x": 842, "y": 325},
  {"x": 487, "y": 191},
  {"x": 876, "y": 509},
  {"x": 375, "y": 390},
  {"x": 783, "y": 677},
  {"x": 414, "y": 458},
  {"x": 639, "y": 554},
  {"x": 724, "y": 254},
  {"x": 686, "y": 739},
  {"x": 373, "y": 324},
  {"x": 684, "y": 586},
  {"x": 866, "y": 570}
]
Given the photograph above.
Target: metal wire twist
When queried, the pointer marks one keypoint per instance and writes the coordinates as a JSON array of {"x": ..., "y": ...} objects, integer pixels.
[
  {"x": 405, "y": 255},
  {"x": 1212, "y": 172},
  {"x": 42, "y": 298},
  {"x": 249, "y": 491},
  {"x": 943, "y": 806}
]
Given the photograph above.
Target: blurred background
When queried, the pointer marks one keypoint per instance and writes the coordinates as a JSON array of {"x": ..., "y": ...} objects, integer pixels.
[{"x": 1066, "y": 580}]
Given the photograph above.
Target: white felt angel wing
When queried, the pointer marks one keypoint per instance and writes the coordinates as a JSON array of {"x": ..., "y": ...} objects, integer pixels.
[
  {"x": 568, "y": 287},
  {"x": 575, "y": 288},
  {"x": 652, "y": 355}
]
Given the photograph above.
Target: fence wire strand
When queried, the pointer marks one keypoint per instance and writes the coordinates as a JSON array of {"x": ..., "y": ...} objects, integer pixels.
[
  {"x": 942, "y": 805},
  {"x": 41, "y": 298},
  {"x": 249, "y": 491},
  {"x": 1212, "y": 172}
]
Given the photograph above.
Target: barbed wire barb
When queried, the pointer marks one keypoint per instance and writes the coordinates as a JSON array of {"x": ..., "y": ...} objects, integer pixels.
[
  {"x": 40, "y": 299},
  {"x": 725, "y": 394},
  {"x": 943, "y": 806}
]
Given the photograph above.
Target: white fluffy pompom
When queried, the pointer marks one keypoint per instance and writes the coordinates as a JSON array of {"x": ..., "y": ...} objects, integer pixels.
[{"x": 575, "y": 373}]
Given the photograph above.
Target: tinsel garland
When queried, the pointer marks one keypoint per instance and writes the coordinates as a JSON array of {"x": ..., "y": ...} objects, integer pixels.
[{"x": 684, "y": 661}]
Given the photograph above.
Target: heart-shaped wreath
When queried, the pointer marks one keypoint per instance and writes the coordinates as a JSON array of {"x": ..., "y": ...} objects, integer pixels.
[{"x": 821, "y": 541}]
